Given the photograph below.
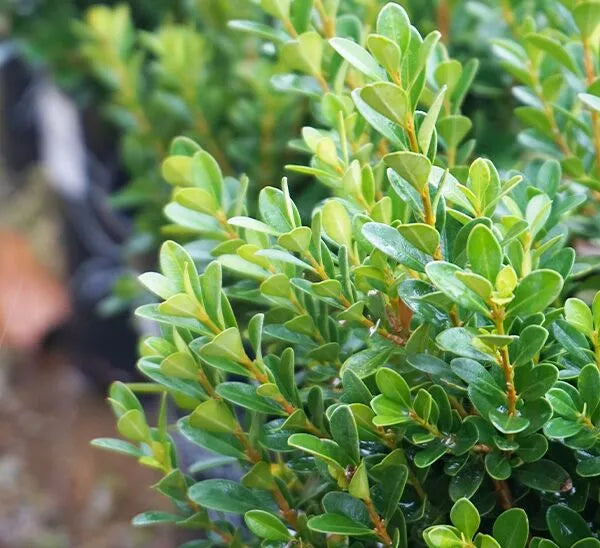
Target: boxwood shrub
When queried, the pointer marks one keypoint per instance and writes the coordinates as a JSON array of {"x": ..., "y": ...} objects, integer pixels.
[{"x": 402, "y": 366}]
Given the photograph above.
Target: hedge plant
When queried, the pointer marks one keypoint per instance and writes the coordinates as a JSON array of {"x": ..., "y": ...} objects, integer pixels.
[{"x": 399, "y": 368}]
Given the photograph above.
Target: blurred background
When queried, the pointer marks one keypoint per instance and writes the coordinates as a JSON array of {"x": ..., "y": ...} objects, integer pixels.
[{"x": 91, "y": 95}]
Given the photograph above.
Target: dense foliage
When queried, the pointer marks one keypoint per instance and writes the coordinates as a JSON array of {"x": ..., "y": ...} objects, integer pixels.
[{"x": 399, "y": 367}]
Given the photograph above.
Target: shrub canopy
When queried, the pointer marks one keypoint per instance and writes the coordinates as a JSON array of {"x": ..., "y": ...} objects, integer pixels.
[{"x": 397, "y": 368}]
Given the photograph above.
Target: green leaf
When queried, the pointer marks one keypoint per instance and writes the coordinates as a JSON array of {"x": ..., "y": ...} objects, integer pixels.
[
  {"x": 389, "y": 129},
  {"x": 535, "y": 382},
  {"x": 173, "y": 260},
  {"x": 559, "y": 428},
  {"x": 497, "y": 466},
  {"x": 273, "y": 209},
  {"x": 578, "y": 314},
  {"x": 229, "y": 496},
  {"x": 266, "y": 525},
  {"x": 423, "y": 237},
  {"x": 150, "y": 518},
  {"x": 440, "y": 536},
  {"x": 508, "y": 424},
  {"x": 474, "y": 373},
  {"x": 538, "y": 412},
  {"x": 574, "y": 342},
  {"x": 366, "y": 362},
  {"x": 544, "y": 475},
  {"x": 531, "y": 341},
  {"x": 460, "y": 341},
  {"x": 431, "y": 453},
  {"x": 387, "y": 99},
  {"x": 405, "y": 191},
  {"x": 259, "y": 29},
  {"x": 227, "y": 344},
  {"x": 587, "y": 17},
  {"x": 413, "y": 167},
  {"x": 537, "y": 542},
  {"x": 297, "y": 240},
  {"x": 389, "y": 241},
  {"x": 566, "y": 525},
  {"x": 176, "y": 170},
  {"x": 180, "y": 365},
  {"x": 344, "y": 431},
  {"x": 150, "y": 367},
  {"x": 241, "y": 267},
  {"x": 117, "y": 446},
  {"x": 284, "y": 257},
  {"x": 467, "y": 480},
  {"x": 511, "y": 528},
  {"x": 535, "y": 293},
  {"x": 389, "y": 412},
  {"x": 223, "y": 444},
  {"x": 561, "y": 403},
  {"x": 393, "y": 386},
  {"x": 358, "y": 57},
  {"x": 213, "y": 416},
  {"x": 324, "y": 449},
  {"x": 121, "y": 393},
  {"x": 337, "y": 223},
  {"x": 180, "y": 305},
  {"x": 355, "y": 390},
  {"x": 338, "y": 524},
  {"x": 590, "y": 101},
  {"x": 465, "y": 517},
  {"x": 428, "y": 125},
  {"x": 553, "y": 48},
  {"x": 484, "y": 252},
  {"x": 252, "y": 224},
  {"x": 393, "y": 22},
  {"x": 159, "y": 285},
  {"x": 359, "y": 484},
  {"x": 278, "y": 285},
  {"x": 486, "y": 541},
  {"x": 453, "y": 129},
  {"x": 132, "y": 425},
  {"x": 532, "y": 448},
  {"x": 588, "y": 385},
  {"x": 206, "y": 174},
  {"x": 589, "y": 542},
  {"x": 477, "y": 283},
  {"x": 538, "y": 212},
  {"x": 277, "y": 8},
  {"x": 245, "y": 395},
  {"x": 393, "y": 477},
  {"x": 589, "y": 467},
  {"x": 385, "y": 51},
  {"x": 197, "y": 199},
  {"x": 337, "y": 502},
  {"x": 443, "y": 276},
  {"x": 304, "y": 53}
]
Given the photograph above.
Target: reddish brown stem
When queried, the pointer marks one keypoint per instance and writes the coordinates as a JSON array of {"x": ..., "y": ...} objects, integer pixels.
[
  {"x": 379, "y": 524},
  {"x": 503, "y": 493}
]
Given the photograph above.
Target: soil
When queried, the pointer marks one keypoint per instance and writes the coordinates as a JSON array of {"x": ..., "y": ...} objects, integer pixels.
[{"x": 55, "y": 489}]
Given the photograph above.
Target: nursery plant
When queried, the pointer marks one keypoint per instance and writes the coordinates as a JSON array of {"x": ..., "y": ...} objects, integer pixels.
[
  {"x": 400, "y": 367},
  {"x": 183, "y": 78}
]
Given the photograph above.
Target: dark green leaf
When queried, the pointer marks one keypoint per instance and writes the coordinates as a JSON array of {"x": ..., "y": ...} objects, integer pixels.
[
  {"x": 229, "y": 496},
  {"x": 338, "y": 524},
  {"x": 566, "y": 526},
  {"x": 544, "y": 475}
]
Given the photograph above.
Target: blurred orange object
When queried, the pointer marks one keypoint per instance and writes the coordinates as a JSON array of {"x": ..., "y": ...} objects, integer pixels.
[{"x": 33, "y": 301}]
